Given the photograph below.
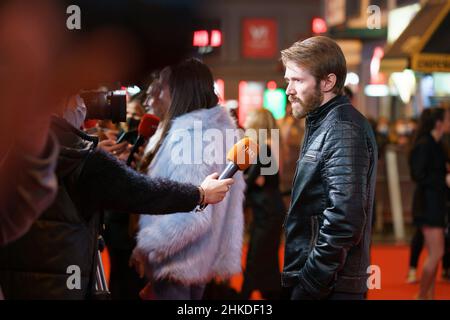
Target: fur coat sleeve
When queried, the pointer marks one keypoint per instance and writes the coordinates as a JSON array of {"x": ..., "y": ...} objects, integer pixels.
[{"x": 164, "y": 236}]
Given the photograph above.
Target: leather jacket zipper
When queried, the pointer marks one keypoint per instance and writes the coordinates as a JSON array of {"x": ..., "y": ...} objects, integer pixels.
[
  {"x": 314, "y": 232},
  {"x": 305, "y": 140}
]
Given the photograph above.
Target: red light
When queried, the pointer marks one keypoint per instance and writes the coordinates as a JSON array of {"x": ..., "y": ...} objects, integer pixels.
[
  {"x": 242, "y": 87},
  {"x": 319, "y": 25},
  {"x": 220, "y": 86},
  {"x": 216, "y": 38},
  {"x": 201, "y": 38},
  {"x": 378, "y": 52},
  {"x": 271, "y": 85},
  {"x": 376, "y": 77}
]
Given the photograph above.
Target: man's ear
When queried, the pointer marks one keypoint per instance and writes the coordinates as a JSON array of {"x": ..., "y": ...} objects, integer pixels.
[{"x": 327, "y": 84}]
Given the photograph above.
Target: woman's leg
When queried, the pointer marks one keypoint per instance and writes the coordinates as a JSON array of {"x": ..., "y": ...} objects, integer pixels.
[
  {"x": 434, "y": 241},
  {"x": 415, "y": 250}
]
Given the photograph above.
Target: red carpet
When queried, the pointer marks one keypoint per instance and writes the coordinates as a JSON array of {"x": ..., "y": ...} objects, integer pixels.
[{"x": 393, "y": 263}]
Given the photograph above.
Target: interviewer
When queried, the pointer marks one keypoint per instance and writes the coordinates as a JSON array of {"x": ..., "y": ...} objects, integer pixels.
[{"x": 56, "y": 258}]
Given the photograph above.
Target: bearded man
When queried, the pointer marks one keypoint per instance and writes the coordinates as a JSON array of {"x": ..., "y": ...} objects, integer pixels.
[{"x": 328, "y": 226}]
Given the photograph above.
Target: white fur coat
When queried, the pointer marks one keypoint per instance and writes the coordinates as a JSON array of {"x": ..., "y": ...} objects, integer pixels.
[{"x": 194, "y": 247}]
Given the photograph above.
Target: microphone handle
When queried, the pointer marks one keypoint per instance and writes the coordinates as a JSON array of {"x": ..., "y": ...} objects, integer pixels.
[
  {"x": 139, "y": 142},
  {"x": 229, "y": 171}
]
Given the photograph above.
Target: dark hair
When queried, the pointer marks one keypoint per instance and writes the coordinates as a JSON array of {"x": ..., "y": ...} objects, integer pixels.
[
  {"x": 320, "y": 56},
  {"x": 191, "y": 87},
  {"x": 427, "y": 122}
]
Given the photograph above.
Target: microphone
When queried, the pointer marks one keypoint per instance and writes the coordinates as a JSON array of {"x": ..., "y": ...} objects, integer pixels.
[
  {"x": 241, "y": 156},
  {"x": 147, "y": 128}
]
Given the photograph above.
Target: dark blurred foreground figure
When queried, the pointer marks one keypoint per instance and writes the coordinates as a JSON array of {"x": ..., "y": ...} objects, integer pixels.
[
  {"x": 35, "y": 47},
  {"x": 328, "y": 227},
  {"x": 428, "y": 169}
]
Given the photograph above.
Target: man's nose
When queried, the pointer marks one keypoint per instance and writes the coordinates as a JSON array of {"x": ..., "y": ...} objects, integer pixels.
[{"x": 290, "y": 90}]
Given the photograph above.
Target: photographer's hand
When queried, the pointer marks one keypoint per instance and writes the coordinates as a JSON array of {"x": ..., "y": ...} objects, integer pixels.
[
  {"x": 137, "y": 156},
  {"x": 110, "y": 146}
]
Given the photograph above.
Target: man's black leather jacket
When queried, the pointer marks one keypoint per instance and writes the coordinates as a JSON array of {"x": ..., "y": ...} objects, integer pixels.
[{"x": 328, "y": 226}]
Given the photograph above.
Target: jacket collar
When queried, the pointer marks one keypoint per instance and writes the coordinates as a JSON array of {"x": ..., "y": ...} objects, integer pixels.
[{"x": 316, "y": 116}]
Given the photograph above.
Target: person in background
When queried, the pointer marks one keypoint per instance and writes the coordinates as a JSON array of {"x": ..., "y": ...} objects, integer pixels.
[
  {"x": 135, "y": 111},
  {"x": 157, "y": 100},
  {"x": 382, "y": 135},
  {"x": 428, "y": 169},
  {"x": 262, "y": 270}
]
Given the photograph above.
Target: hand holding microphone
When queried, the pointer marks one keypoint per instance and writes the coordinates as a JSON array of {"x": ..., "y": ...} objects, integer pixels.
[
  {"x": 240, "y": 157},
  {"x": 213, "y": 190},
  {"x": 147, "y": 128}
]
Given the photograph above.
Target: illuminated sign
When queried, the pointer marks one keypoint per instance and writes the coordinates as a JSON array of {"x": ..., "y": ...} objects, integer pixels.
[
  {"x": 428, "y": 62},
  {"x": 376, "y": 77},
  {"x": 319, "y": 26},
  {"x": 399, "y": 19},
  {"x": 259, "y": 38},
  {"x": 275, "y": 102},
  {"x": 202, "y": 38}
]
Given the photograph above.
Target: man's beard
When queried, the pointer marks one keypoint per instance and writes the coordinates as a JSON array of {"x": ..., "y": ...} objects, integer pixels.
[{"x": 310, "y": 103}]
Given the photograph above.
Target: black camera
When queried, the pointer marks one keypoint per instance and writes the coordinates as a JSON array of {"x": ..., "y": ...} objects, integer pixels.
[{"x": 111, "y": 105}]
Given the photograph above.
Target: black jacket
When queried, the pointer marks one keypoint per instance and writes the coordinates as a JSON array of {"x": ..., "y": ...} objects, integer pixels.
[
  {"x": 328, "y": 229},
  {"x": 40, "y": 265},
  {"x": 427, "y": 164}
]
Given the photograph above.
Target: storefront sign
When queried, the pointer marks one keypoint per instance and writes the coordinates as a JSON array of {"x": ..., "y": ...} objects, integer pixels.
[{"x": 259, "y": 38}]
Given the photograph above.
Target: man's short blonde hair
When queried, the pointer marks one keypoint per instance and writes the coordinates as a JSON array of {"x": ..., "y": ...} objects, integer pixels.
[{"x": 320, "y": 56}]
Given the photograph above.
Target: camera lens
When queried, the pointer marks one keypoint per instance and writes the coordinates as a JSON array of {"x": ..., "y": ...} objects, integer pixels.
[{"x": 105, "y": 106}]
